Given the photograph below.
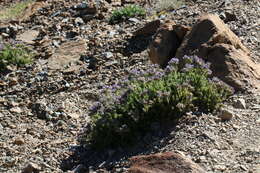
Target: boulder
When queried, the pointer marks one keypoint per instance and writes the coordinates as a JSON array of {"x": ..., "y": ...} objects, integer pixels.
[
  {"x": 166, "y": 42},
  {"x": 168, "y": 162},
  {"x": 213, "y": 41}
]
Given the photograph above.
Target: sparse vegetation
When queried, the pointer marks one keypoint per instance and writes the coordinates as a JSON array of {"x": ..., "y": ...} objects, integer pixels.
[
  {"x": 126, "y": 13},
  {"x": 17, "y": 55},
  {"x": 151, "y": 96},
  {"x": 14, "y": 10},
  {"x": 168, "y": 5}
]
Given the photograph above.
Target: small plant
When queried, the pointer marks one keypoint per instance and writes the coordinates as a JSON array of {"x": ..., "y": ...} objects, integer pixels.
[
  {"x": 127, "y": 110},
  {"x": 126, "y": 13},
  {"x": 14, "y": 55}
]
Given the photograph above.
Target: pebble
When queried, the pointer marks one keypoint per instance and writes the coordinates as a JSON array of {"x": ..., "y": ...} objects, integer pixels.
[
  {"x": 19, "y": 141},
  {"x": 240, "y": 104},
  {"x": 16, "y": 110},
  {"x": 74, "y": 115},
  {"x": 226, "y": 115},
  {"x": 220, "y": 167}
]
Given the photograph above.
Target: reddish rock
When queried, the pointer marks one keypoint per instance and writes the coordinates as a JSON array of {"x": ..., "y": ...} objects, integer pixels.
[
  {"x": 209, "y": 30},
  {"x": 213, "y": 41},
  {"x": 233, "y": 66},
  {"x": 168, "y": 162},
  {"x": 166, "y": 42}
]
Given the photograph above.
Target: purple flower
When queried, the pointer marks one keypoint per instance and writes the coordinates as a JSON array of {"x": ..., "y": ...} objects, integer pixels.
[
  {"x": 2, "y": 46},
  {"x": 187, "y": 59},
  {"x": 169, "y": 69},
  {"x": 189, "y": 66},
  {"x": 173, "y": 61},
  {"x": 198, "y": 61},
  {"x": 95, "y": 106}
]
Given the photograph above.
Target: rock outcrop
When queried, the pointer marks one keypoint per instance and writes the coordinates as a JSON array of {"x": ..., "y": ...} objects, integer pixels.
[
  {"x": 213, "y": 41},
  {"x": 166, "y": 42}
]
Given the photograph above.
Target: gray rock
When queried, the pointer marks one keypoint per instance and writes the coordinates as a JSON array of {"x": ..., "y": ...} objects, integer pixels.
[
  {"x": 226, "y": 114},
  {"x": 41, "y": 110},
  {"x": 31, "y": 168},
  {"x": 240, "y": 103}
]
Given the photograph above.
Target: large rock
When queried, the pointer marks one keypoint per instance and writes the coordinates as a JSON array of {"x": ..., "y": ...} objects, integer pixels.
[
  {"x": 168, "y": 162},
  {"x": 213, "y": 41},
  {"x": 166, "y": 42},
  {"x": 233, "y": 66}
]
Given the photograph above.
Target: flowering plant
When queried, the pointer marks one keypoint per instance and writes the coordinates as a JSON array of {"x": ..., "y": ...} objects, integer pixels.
[{"x": 154, "y": 95}]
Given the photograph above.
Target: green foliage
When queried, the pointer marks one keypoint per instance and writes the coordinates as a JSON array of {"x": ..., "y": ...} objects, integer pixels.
[
  {"x": 14, "y": 55},
  {"x": 125, "y": 13},
  {"x": 154, "y": 96}
]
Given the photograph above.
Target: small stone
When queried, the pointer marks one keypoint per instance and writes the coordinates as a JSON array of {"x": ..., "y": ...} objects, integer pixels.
[
  {"x": 108, "y": 54},
  {"x": 1, "y": 129},
  {"x": 80, "y": 168},
  {"x": 19, "y": 141},
  {"x": 220, "y": 167},
  {"x": 31, "y": 168},
  {"x": 202, "y": 159},
  {"x": 236, "y": 127},
  {"x": 135, "y": 20},
  {"x": 243, "y": 167},
  {"x": 226, "y": 115},
  {"x": 240, "y": 104},
  {"x": 74, "y": 115},
  {"x": 79, "y": 21},
  {"x": 256, "y": 169},
  {"x": 16, "y": 110}
]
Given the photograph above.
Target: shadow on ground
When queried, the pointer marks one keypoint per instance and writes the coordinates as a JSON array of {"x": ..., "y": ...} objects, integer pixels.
[
  {"x": 83, "y": 158},
  {"x": 136, "y": 44}
]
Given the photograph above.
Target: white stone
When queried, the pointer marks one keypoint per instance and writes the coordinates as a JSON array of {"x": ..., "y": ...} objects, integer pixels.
[{"x": 240, "y": 103}]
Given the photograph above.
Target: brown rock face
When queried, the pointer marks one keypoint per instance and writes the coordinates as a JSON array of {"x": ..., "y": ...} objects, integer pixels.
[
  {"x": 209, "y": 30},
  {"x": 213, "y": 41},
  {"x": 168, "y": 162},
  {"x": 233, "y": 66},
  {"x": 166, "y": 42}
]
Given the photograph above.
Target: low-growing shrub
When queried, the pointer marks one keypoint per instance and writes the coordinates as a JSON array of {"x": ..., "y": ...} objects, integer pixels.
[
  {"x": 17, "y": 55},
  {"x": 126, "y": 13},
  {"x": 127, "y": 110}
]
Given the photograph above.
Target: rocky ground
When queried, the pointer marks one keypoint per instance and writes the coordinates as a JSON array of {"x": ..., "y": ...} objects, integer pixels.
[{"x": 44, "y": 106}]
